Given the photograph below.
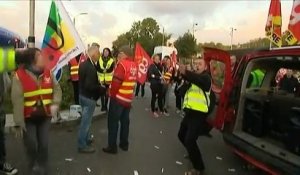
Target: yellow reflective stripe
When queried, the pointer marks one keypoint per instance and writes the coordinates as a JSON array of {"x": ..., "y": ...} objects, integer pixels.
[
  {"x": 29, "y": 103},
  {"x": 32, "y": 103},
  {"x": 74, "y": 67},
  {"x": 11, "y": 64},
  {"x": 109, "y": 78},
  {"x": 47, "y": 102},
  {"x": 123, "y": 99},
  {"x": 74, "y": 73},
  {"x": 38, "y": 92},
  {"x": 128, "y": 83},
  {"x": 109, "y": 63},
  {"x": 1, "y": 60},
  {"x": 123, "y": 91}
]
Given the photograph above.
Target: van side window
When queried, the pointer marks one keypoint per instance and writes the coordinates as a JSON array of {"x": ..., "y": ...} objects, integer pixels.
[{"x": 288, "y": 81}]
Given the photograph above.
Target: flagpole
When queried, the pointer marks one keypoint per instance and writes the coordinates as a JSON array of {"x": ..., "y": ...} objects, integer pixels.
[
  {"x": 272, "y": 30},
  {"x": 31, "y": 37}
]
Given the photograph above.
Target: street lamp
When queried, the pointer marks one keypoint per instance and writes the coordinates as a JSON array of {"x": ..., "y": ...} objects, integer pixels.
[
  {"x": 231, "y": 36},
  {"x": 163, "y": 36},
  {"x": 84, "y": 13},
  {"x": 194, "y": 24}
]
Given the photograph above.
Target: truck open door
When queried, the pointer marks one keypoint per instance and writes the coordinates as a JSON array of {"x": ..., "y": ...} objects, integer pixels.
[{"x": 220, "y": 69}]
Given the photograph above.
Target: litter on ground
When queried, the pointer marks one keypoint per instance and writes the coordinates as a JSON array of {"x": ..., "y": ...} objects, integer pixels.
[
  {"x": 179, "y": 163},
  {"x": 89, "y": 170}
]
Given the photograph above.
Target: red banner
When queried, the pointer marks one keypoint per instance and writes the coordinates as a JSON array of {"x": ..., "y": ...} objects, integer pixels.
[
  {"x": 274, "y": 22},
  {"x": 143, "y": 61},
  {"x": 293, "y": 33}
]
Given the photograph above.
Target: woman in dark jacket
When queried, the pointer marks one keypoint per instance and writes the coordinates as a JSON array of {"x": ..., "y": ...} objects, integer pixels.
[{"x": 155, "y": 78}]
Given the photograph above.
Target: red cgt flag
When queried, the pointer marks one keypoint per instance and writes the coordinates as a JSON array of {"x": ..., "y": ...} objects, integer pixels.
[
  {"x": 143, "y": 61},
  {"x": 274, "y": 22},
  {"x": 293, "y": 33}
]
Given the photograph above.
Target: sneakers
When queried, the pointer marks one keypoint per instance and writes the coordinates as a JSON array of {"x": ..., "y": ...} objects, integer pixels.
[
  {"x": 166, "y": 113},
  {"x": 86, "y": 150},
  {"x": 155, "y": 115},
  {"x": 8, "y": 169}
]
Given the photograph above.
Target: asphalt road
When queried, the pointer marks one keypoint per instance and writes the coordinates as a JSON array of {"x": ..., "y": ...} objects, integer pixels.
[{"x": 154, "y": 149}]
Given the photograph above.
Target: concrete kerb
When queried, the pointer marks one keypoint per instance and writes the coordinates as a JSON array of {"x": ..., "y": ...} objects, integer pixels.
[{"x": 61, "y": 124}]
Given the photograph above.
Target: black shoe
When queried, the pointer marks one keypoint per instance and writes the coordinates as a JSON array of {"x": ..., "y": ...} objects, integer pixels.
[
  {"x": 124, "y": 148},
  {"x": 110, "y": 150},
  {"x": 8, "y": 169},
  {"x": 86, "y": 150}
]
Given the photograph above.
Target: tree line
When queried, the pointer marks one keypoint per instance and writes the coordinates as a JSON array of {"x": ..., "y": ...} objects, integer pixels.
[{"x": 147, "y": 33}]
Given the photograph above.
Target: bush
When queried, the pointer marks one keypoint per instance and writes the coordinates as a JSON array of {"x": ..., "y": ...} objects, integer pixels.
[{"x": 67, "y": 90}]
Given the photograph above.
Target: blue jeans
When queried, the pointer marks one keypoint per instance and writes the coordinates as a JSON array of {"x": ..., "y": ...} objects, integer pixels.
[
  {"x": 117, "y": 113},
  {"x": 88, "y": 108}
]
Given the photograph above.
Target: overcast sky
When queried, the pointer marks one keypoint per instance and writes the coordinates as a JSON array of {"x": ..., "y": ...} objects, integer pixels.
[{"x": 107, "y": 19}]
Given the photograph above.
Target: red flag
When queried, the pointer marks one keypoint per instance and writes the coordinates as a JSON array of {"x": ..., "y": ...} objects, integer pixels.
[
  {"x": 274, "y": 22},
  {"x": 143, "y": 61},
  {"x": 174, "y": 59},
  {"x": 293, "y": 33}
]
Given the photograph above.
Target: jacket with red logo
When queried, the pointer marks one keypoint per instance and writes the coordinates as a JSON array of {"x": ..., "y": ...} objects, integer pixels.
[{"x": 123, "y": 83}]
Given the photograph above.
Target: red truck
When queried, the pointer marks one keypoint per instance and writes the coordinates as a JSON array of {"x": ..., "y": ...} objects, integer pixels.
[{"x": 261, "y": 124}]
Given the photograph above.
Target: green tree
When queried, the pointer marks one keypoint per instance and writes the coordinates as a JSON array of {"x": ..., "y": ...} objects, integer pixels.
[
  {"x": 186, "y": 45},
  {"x": 146, "y": 32}
]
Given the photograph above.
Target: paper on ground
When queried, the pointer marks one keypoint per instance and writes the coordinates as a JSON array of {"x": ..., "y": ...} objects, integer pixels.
[{"x": 179, "y": 163}]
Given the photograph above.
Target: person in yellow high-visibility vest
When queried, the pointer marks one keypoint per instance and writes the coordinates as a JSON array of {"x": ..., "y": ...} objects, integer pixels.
[
  {"x": 196, "y": 107},
  {"x": 256, "y": 78},
  {"x": 7, "y": 63},
  {"x": 105, "y": 69}
]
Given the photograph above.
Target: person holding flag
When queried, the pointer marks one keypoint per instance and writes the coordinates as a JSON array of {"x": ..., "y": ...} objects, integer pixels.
[
  {"x": 35, "y": 96},
  {"x": 155, "y": 78},
  {"x": 168, "y": 73},
  {"x": 143, "y": 61},
  {"x": 121, "y": 96}
]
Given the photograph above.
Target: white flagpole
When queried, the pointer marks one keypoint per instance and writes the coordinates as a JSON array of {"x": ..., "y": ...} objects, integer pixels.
[{"x": 272, "y": 30}]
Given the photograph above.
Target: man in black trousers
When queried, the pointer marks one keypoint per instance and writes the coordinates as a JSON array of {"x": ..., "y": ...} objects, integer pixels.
[
  {"x": 137, "y": 89},
  {"x": 196, "y": 107}
]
